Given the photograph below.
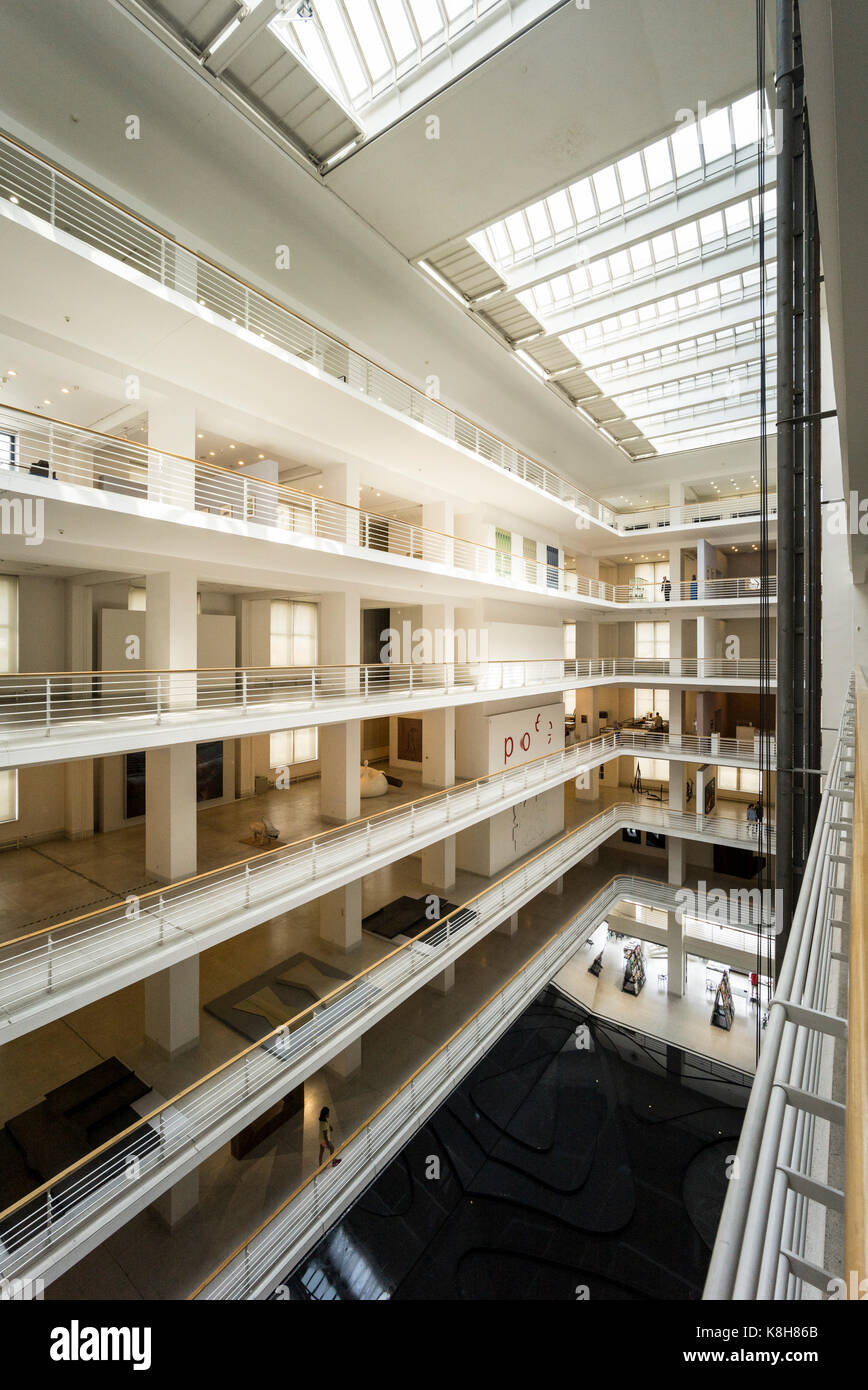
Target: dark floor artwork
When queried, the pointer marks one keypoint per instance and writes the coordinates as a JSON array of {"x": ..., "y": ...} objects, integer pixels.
[{"x": 554, "y": 1171}]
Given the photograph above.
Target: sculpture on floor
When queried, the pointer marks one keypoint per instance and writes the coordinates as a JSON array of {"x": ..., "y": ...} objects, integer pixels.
[
  {"x": 372, "y": 782},
  {"x": 263, "y": 831}
]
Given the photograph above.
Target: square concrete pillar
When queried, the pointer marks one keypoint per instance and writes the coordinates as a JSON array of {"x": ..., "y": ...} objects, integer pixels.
[
  {"x": 78, "y": 799},
  {"x": 171, "y": 633},
  {"x": 346, "y": 1062},
  {"x": 340, "y": 753},
  {"x": 556, "y": 888},
  {"x": 170, "y": 812},
  {"x": 438, "y": 518},
  {"x": 508, "y": 927},
  {"x": 340, "y": 916},
  {"x": 675, "y": 947},
  {"x": 172, "y": 432},
  {"x": 438, "y": 864},
  {"x": 677, "y": 861},
  {"x": 341, "y": 484},
  {"x": 445, "y": 981},
  {"x": 173, "y": 1206},
  {"x": 172, "y": 1008}
]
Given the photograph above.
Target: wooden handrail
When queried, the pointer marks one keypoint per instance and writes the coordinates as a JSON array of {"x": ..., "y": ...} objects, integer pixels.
[{"x": 856, "y": 1141}]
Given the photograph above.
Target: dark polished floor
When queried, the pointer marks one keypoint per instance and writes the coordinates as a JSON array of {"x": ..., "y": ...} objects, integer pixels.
[{"x": 555, "y": 1171}]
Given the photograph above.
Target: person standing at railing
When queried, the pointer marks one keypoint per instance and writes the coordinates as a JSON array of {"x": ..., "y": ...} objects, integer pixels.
[
  {"x": 325, "y": 1137},
  {"x": 693, "y": 586},
  {"x": 667, "y": 589}
]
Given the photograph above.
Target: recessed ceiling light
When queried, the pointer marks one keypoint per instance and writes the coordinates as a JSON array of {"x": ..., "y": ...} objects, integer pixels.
[
  {"x": 46, "y": 402},
  {"x": 231, "y": 446},
  {"x": 200, "y": 436},
  {"x": 262, "y": 456},
  {"x": 13, "y": 198},
  {"x": 319, "y": 485},
  {"x": 210, "y": 453},
  {"x": 11, "y": 372}
]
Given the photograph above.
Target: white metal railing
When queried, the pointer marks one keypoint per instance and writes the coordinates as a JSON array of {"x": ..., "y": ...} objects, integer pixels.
[
  {"x": 762, "y": 1250},
  {"x": 745, "y": 507},
  {"x": 69, "y": 702},
  {"x": 641, "y": 591},
  {"x": 252, "y": 1271},
  {"x": 34, "y": 189},
  {"x": 70, "y": 455},
  {"x": 49, "y": 966},
  {"x": 38, "y": 189},
  {"x": 126, "y": 1172}
]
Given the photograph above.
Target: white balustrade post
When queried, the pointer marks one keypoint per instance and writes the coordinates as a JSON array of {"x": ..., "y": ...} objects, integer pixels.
[
  {"x": 159, "y": 700},
  {"x": 244, "y": 691},
  {"x": 47, "y": 706}
]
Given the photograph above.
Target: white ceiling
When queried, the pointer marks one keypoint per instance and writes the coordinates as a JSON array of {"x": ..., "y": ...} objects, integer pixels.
[{"x": 518, "y": 125}]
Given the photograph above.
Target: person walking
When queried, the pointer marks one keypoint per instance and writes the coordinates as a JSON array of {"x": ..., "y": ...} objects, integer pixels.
[
  {"x": 325, "y": 1137},
  {"x": 752, "y": 817},
  {"x": 667, "y": 589}
]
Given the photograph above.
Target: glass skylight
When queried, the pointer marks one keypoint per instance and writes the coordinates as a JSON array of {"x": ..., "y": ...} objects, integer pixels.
[
  {"x": 646, "y": 358},
  {"x": 682, "y": 159},
  {"x": 360, "y": 49}
]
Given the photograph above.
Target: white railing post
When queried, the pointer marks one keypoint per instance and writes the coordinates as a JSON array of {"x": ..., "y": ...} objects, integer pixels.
[
  {"x": 47, "y": 706},
  {"x": 50, "y": 944},
  {"x": 159, "y": 699},
  {"x": 244, "y": 691}
]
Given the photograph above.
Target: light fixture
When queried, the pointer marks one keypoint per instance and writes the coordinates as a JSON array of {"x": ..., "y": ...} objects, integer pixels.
[
  {"x": 200, "y": 436},
  {"x": 231, "y": 446},
  {"x": 210, "y": 453},
  {"x": 11, "y": 372},
  {"x": 441, "y": 281},
  {"x": 64, "y": 390},
  {"x": 531, "y": 363},
  {"x": 262, "y": 456},
  {"x": 46, "y": 402},
  {"x": 13, "y": 198}
]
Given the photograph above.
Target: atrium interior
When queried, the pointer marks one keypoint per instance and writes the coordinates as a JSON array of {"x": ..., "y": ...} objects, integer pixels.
[{"x": 432, "y": 641}]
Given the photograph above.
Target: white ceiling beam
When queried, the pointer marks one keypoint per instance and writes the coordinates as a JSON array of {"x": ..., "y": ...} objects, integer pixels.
[
  {"x": 684, "y": 400},
  {"x": 678, "y": 369},
  {"x": 729, "y": 415},
  {"x": 670, "y": 212},
  {"x": 732, "y": 260},
  {"x": 668, "y": 334}
]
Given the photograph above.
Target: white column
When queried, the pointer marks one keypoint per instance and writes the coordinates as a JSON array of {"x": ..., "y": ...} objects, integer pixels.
[
  {"x": 171, "y": 1208},
  {"x": 438, "y": 749},
  {"x": 170, "y": 773},
  {"x": 508, "y": 927},
  {"x": 172, "y": 997},
  {"x": 443, "y": 983},
  {"x": 346, "y": 1062},
  {"x": 439, "y": 517},
  {"x": 171, "y": 432},
  {"x": 341, "y": 484},
  {"x": 340, "y": 912},
  {"x": 172, "y": 1008},
  {"x": 675, "y": 948},
  {"x": 340, "y": 916},
  {"x": 78, "y": 775},
  {"x": 340, "y": 744}
]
